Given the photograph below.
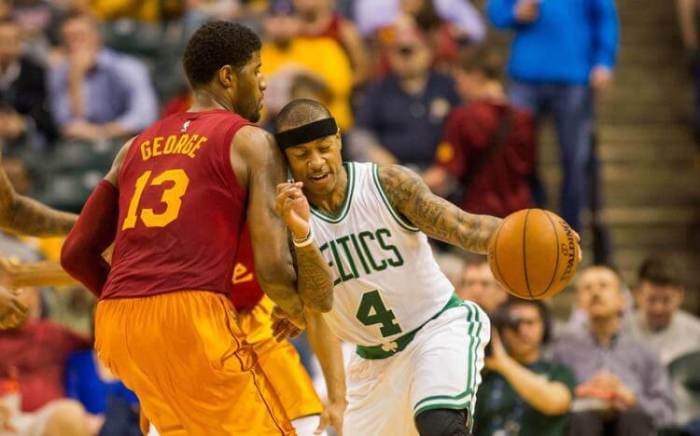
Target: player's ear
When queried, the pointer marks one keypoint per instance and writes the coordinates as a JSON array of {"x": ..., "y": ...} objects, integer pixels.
[{"x": 227, "y": 76}]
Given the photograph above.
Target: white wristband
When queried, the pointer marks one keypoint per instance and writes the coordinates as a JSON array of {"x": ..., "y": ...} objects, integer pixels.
[{"x": 304, "y": 242}]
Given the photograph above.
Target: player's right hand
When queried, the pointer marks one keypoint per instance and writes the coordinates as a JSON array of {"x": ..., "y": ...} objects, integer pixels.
[
  {"x": 12, "y": 311},
  {"x": 291, "y": 204},
  {"x": 285, "y": 326}
]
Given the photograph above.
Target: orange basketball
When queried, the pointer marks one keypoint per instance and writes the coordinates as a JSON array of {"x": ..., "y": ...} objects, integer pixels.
[{"x": 534, "y": 254}]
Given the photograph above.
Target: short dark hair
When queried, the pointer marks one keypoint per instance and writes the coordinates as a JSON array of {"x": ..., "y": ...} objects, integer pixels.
[
  {"x": 660, "y": 271},
  {"x": 216, "y": 44},
  {"x": 300, "y": 112}
]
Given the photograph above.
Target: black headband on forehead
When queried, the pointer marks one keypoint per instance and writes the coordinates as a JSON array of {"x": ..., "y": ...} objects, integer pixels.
[{"x": 306, "y": 133}]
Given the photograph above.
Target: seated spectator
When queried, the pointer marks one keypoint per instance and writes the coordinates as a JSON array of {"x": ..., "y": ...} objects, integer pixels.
[
  {"x": 488, "y": 148},
  {"x": 95, "y": 92},
  {"x": 522, "y": 392},
  {"x": 401, "y": 118},
  {"x": 34, "y": 356},
  {"x": 285, "y": 54},
  {"x": 622, "y": 386},
  {"x": 659, "y": 321},
  {"x": 24, "y": 116},
  {"x": 101, "y": 394},
  {"x": 480, "y": 286},
  {"x": 319, "y": 19}
]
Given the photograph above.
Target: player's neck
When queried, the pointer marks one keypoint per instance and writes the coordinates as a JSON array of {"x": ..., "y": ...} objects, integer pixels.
[
  {"x": 332, "y": 202},
  {"x": 206, "y": 100},
  {"x": 604, "y": 329}
]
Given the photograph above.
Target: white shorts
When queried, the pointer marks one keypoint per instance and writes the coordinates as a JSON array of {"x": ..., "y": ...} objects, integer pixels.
[{"x": 439, "y": 369}]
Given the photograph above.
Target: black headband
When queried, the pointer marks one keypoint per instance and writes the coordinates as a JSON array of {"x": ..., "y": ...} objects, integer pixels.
[{"x": 306, "y": 133}]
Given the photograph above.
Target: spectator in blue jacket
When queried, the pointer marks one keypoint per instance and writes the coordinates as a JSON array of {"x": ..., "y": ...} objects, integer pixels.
[{"x": 562, "y": 53}]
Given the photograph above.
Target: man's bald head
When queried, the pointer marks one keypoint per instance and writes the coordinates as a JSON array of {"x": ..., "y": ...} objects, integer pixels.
[{"x": 299, "y": 113}]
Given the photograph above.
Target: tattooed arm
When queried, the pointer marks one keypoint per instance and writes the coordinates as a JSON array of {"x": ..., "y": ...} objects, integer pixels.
[
  {"x": 435, "y": 216},
  {"x": 314, "y": 276},
  {"x": 29, "y": 217}
]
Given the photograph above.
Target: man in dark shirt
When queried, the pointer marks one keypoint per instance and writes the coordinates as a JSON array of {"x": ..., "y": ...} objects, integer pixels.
[
  {"x": 400, "y": 120},
  {"x": 24, "y": 113},
  {"x": 522, "y": 392}
]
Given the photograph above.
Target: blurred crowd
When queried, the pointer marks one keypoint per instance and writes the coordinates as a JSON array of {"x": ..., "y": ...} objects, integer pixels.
[{"x": 414, "y": 82}]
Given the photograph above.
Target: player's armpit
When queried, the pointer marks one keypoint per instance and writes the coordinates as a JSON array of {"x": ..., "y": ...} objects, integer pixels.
[
  {"x": 435, "y": 216},
  {"x": 259, "y": 167}
]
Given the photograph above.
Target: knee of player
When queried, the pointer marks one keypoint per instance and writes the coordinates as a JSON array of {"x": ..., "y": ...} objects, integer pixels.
[{"x": 443, "y": 422}]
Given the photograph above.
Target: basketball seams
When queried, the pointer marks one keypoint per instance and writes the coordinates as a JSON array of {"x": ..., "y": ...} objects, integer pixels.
[
  {"x": 556, "y": 268},
  {"x": 527, "y": 281}
]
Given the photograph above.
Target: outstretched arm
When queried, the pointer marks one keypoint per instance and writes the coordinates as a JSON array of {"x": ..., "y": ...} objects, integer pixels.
[
  {"x": 435, "y": 216},
  {"x": 29, "y": 217}
]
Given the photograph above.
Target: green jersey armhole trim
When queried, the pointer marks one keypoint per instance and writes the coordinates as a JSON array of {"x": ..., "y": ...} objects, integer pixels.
[
  {"x": 397, "y": 216},
  {"x": 349, "y": 190}
]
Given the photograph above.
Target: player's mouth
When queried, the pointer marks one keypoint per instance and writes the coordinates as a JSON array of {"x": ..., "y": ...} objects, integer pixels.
[{"x": 319, "y": 178}]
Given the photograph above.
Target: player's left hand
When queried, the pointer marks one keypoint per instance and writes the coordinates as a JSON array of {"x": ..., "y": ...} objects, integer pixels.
[
  {"x": 291, "y": 204},
  {"x": 283, "y": 327},
  {"x": 332, "y": 415}
]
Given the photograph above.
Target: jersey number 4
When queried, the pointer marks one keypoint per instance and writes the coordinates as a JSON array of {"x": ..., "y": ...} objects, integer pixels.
[
  {"x": 373, "y": 311},
  {"x": 172, "y": 197}
]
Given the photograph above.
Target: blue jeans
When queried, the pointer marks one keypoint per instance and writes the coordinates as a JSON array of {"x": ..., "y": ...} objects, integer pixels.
[{"x": 572, "y": 109}]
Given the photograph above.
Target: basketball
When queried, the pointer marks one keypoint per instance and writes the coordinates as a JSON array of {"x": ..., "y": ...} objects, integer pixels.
[{"x": 534, "y": 254}]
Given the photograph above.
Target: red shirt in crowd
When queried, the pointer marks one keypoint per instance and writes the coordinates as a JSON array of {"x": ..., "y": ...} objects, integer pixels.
[
  {"x": 36, "y": 354},
  {"x": 501, "y": 185}
]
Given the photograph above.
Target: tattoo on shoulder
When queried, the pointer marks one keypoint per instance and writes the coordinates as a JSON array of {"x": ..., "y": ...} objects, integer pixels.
[{"x": 435, "y": 216}]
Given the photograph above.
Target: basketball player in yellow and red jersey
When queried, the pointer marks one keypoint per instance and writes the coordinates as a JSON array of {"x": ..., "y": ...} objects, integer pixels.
[{"x": 174, "y": 205}]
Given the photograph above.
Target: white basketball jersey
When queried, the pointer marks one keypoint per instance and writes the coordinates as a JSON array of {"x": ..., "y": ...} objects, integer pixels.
[{"x": 387, "y": 282}]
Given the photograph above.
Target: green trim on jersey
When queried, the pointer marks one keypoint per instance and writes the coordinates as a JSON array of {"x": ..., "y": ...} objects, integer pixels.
[
  {"x": 349, "y": 190},
  {"x": 375, "y": 352},
  {"x": 465, "y": 399},
  {"x": 397, "y": 216}
]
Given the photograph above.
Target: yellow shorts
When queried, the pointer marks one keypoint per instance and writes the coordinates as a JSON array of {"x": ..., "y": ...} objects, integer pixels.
[
  {"x": 280, "y": 362},
  {"x": 185, "y": 357}
]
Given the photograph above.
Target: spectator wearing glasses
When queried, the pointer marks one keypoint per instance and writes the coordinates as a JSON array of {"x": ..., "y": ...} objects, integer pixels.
[
  {"x": 401, "y": 118},
  {"x": 522, "y": 392}
]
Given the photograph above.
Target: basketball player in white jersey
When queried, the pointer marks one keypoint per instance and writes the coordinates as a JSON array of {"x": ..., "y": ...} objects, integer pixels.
[{"x": 419, "y": 349}]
